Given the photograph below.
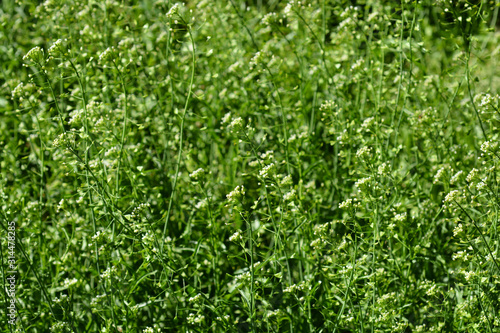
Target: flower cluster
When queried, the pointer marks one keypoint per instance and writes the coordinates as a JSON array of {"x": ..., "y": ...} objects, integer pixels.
[
  {"x": 289, "y": 195},
  {"x": 364, "y": 184},
  {"x": 56, "y": 48},
  {"x": 236, "y": 124},
  {"x": 350, "y": 203},
  {"x": 267, "y": 170},
  {"x": 235, "y": 195},
  {"x": 364, "y": 153},
  {"x": 236, "y": 237},
  {"x": 452, "y": 198},
  {"x": 107, "y": 55},
  {"x": 35, "y": 55},
  {"x": 270, "y": 18},
  {"x": 440, "y": 175},
  {"x": 400, "y": 217},
  {"x": 489, "y": 147},
  {"x": 174, "y": 10},
  {"x": 197, "y": 175}
]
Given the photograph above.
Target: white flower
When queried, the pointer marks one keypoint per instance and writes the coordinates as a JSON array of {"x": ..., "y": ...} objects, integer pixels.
[
  {"x": 439, "y": 175},
  {"x": 60, "y": 140},
  {"x": 481, "y": 185},
  {"x": 400, "y": 217},
  {"x": 35, "y": 54},
  {"x": 452, "y": 196},
  {"x": 383, "y": 168},
  {"x": 346, "y": 204},
  {"x": 349, "y": 203},
  {"x": 201, "y": 204},
  {"x": 18, "y": 90},
  {"x": 97, "y": 236},
  {"x": 107, "y": 55},
  {"x": 237, "y": 193},
  {"x": 267, "y": 170},
  {"x": 270, "y": 18},
  {"x": 288, "y": 8},
  {"x": 489, "y": 147},
  {"x": 236, "y": 237},
  {"x": 68, "y": 283},
  {"x": 226, "y": 118},
  {"x": 457, "y": 230},
  {"x": 238, "y": 122},
  {"x": 327, "y": 105},
  {"x": 197, "y": 174},
  {"x": 343, "y": 137},
  {"x": 148, "y": 237},
  {"x": 363, "y": 153},
  {"x": 472, "y": 175},
  {"x": 194, "y": 298},
  {"x": 363, "y": 184},
  {"x": 486, "y": 100},
  {"x": 432, "y": 290},
  {"x": 56, "y": 47},
  {"x": 60, "y": 205},
  {"x": 469, "y": 275},
  {"x": 192, "y": 319},
  {"x": 287, "y": 180},
  {"x": 257, "y": 58},
  {"x": 456, "y": 177},
  {"x": 267, "y": 155},
  {"x": 108, "y": 273},
  {"x": 174, "y": 10},
  {"x": 289, "y": 196},
  {"x": 356, "y": 66},
  {"x": 368, "y": 122}
]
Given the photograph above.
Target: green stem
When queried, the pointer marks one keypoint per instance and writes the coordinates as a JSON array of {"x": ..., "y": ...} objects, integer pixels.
[{"x": 179, "y": 156}]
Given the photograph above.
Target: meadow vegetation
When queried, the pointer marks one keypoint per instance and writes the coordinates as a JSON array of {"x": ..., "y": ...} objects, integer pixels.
[{"x": 251, "y": 166}]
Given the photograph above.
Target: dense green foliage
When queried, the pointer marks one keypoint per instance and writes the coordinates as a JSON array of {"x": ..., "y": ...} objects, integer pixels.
[{"x": 251, "y": 166}]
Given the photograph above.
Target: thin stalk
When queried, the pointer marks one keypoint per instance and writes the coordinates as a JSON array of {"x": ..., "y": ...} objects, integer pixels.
[
  {"x": 181, "y": 141},
  {"x": 481, "y": 234},
  {"x": 252, "y": 274},
  {"x": 124, "y": 129}
]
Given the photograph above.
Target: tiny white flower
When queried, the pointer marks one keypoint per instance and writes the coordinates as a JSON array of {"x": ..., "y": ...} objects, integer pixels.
[
  {"x": 236, "y": 123},
  {"x": 456, "y": 177},
  {"x": 383, "y": 168},
  {"x": 489, "y": 147},
  {"x": 289, "y": 196},
  {"x": 174, "y": 10},
  {"x": 270, "y": 18},
  {"x": 452, "y": 196},
  {"x": 439, "y": 175},
  {"x": 287, "y": 180},
  {"x": 363, "y": 184},
  {"x": 400, "y": 217},
  {"x": 236, "y": 237},
  {"x": 197, "y": 174},
  {"x": 457, "y": 230},
  {"x": 346, "y": 204},
  {"x": 267, "y": 170},
  {"x": 236, "y": 194},
  {"x": 69, "y": 282},
  {"x": 36, "y": 55},
  {"x": 56, "y": 48},
  {"x": 472, "y": 175},
  {"x": 364, "y": 153},
  {"x": 226, "y": 118},
  {"x": 107, "y": 55}
]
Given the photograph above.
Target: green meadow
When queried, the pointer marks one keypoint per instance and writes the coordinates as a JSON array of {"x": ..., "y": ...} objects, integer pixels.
[{"x": 249, "y": 166}]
